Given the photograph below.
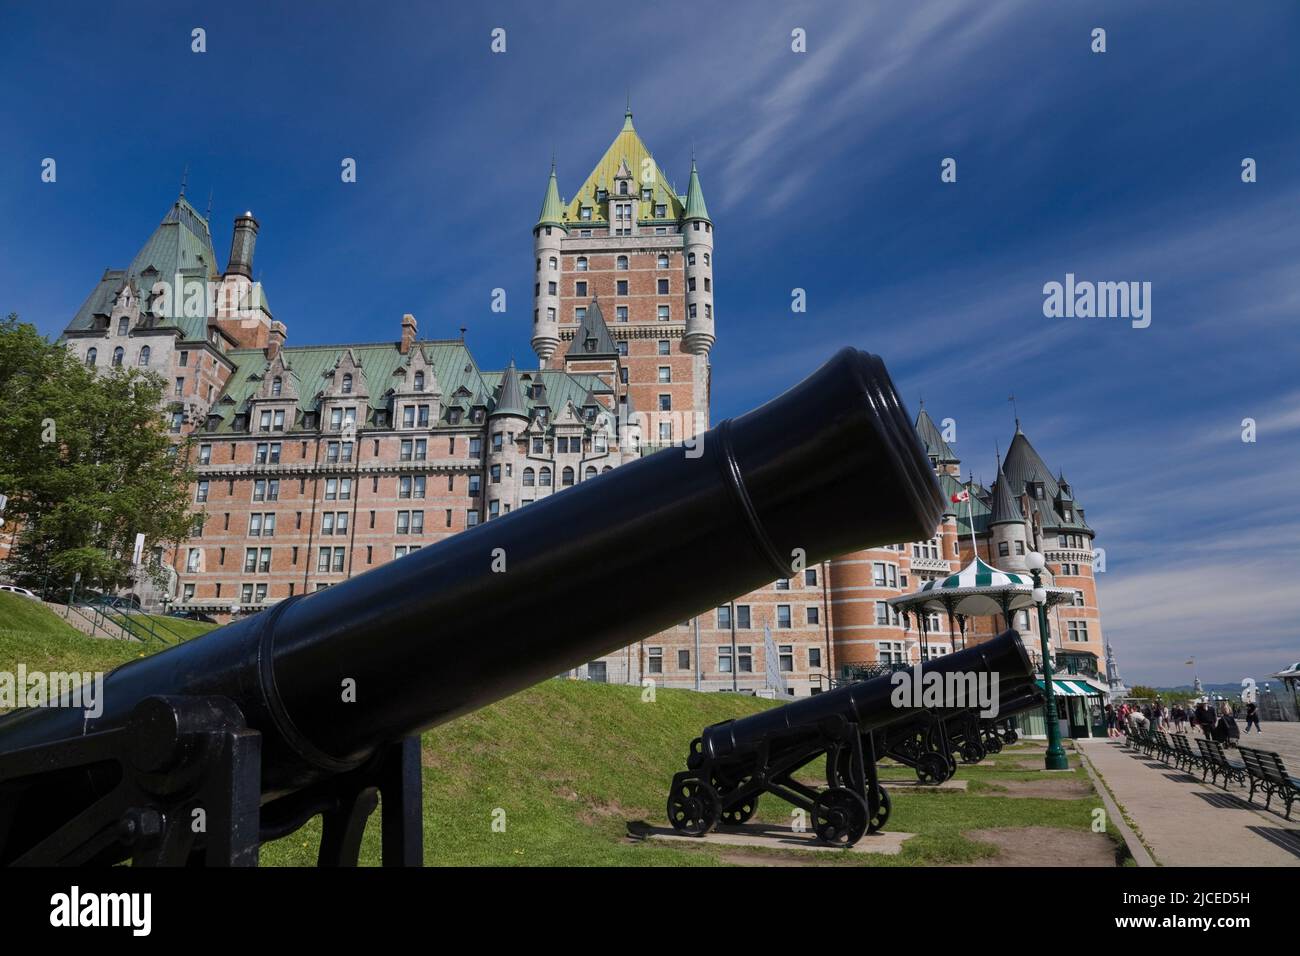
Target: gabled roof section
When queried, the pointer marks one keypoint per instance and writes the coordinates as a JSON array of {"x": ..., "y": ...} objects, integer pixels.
[
  {"x": 181, "y": 245},
  {"x": 935, "y": 446},
  {"x": 629, "y": 148},
  {"x": 592, "y": 340},
  {"x": 1022, "y": 467},
  {"x": 977, "y": 512}
]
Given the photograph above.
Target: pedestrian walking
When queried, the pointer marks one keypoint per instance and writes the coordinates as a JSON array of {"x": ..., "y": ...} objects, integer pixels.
[{"x": 1252, "y": 717}]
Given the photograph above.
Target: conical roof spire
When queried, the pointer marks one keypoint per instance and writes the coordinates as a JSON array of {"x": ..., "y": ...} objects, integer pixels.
[
  {"x": 1005, "y": 509},
  {"x": 695, "y": 208},
  {"x": 552, "y": 213},
  {"x": 510, "y": 401}
]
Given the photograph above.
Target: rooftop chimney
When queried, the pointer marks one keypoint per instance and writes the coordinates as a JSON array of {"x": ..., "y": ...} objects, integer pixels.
[
  {"x": 241, "y": 246},
  {"x": 408, "y": 333},
  {"x": 275, "y": 340}
]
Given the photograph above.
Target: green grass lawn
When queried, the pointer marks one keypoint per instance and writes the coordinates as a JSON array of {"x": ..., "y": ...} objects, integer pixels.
[
  {"x": 170, "y": 630},
  {"x": 32, "y": 634},
  {"x": 568, "y": 765}
]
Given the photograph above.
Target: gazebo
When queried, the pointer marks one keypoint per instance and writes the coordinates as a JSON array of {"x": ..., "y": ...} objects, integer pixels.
[{"x": 977, "y": 590}]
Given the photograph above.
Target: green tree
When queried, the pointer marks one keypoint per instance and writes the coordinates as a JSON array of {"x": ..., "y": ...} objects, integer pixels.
[
  {"x": 87, "y": 464},
  {"x": 1144, "y": 692}
]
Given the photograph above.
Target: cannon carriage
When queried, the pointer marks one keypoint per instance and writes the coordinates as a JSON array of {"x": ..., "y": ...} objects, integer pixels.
[{"x": 732, "y": 764}]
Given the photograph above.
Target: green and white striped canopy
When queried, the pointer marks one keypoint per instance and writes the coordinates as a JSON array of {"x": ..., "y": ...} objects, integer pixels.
[{"x": 979, "y": 589}]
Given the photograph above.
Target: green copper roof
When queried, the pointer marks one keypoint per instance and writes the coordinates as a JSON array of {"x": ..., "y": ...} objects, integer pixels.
[
  {"x": 935, "y": 446},
  {"x": 1023, "y": 466},
  {"x": 552, "y": 213},
  {"x": 627, "y": 147},
  {"x": 978, "y": 511},
  {"x": 695, "y": 208},
  {"x": 510, "y": 400},
  {"x": 182, "y": 244},
  {"x": 1006, "y": 510}
]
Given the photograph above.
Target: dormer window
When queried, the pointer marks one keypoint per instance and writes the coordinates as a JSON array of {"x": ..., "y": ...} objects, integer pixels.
[
  {"x": 584, "y": 213},
  {"x": 646, "y": 194},
  {"x": 453, "y": 416},
  {"x": 419, "y": 381},
  {"x": 622, "y": 187},
  {"x": 347, "y": 384},
  {"x": 589, "y": 345},
  {"x": 277, "y": 386},
  {"x": 602, "y": 195},
  {"x": 123, "y": 325}
]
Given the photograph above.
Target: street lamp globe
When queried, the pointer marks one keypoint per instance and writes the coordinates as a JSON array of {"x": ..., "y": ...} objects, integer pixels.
[
  {"x": 1039, "y": 595},
  {"x": 1034, "y": 561}
]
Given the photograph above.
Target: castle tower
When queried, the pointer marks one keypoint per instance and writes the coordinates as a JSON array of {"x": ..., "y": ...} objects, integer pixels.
[
  {"x": 699, "y": 269},
  {"x": 627, "y": 237},
  {"x": 547, "y": 236},
  {"x": 1009, "y": 542}
]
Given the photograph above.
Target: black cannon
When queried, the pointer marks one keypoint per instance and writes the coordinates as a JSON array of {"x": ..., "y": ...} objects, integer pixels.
[
  {"x": 731, "y": 764},
  {"x": 311, "y": 707}
]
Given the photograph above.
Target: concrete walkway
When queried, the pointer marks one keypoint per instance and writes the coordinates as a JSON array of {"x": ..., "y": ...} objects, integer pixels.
[{"x": 1185, "y": 822}]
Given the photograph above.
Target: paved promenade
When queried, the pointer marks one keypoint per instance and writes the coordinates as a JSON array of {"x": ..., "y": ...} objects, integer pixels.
[{"x": 1185, "y": 822}]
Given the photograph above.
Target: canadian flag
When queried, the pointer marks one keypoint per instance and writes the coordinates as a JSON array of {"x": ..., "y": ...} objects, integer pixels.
[{"x": 961, "y": 496}]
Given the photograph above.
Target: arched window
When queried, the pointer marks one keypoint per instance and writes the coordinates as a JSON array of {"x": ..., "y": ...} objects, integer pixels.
[
  {"x": 144, "y": 356},
  {"x": 347, "y": 384},
  {"x": 528, "y": 477},
  {"x": 605, "y": 469},
  {"x": 277, "y": 386},
  {"x": 544, "y": 477},
  {"x": 622, "y": 187},
  {"x": 419, "y": 381},
  {"x": 92, "y": 354},
  {"x": 566, "y": 476},
  {"x": 117, "y": 355},
  {"x": 690, "y": 258},
  {"x": 554, "y": 263},
  {"x": 589, "y": 473},
  {"x": 662, "y": 262},
  {"x": 706, "y": 258},
  {"x": 621, "y": 263},
  {"x": 582, "y": 264}
]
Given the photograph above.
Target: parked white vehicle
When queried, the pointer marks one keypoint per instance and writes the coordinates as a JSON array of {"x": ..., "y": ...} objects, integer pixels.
[{"x": 15, "y": 589}]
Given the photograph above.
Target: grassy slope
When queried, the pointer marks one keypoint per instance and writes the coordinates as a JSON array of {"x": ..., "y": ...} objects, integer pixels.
[
  {"x": 32, "y": 634},
  {"x": 169, "y": 629},
  {"x": 571, "y": 763}
]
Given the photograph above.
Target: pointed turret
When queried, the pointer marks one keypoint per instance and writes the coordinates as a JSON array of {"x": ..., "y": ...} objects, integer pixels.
[
  {"x": 939, "y": 452},
  {"x": 552, "y": 213},
  {"x": 510, "y": 400},
  {"x": 1005, "y": 508},
  {"x": 695, "y": 208}
]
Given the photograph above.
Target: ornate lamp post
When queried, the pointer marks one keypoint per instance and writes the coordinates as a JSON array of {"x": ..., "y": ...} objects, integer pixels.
[{"x": 1055, "y": 759}]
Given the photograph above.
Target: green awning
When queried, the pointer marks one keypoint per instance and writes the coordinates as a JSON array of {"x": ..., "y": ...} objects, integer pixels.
[{"x": 1065, "y": 688}]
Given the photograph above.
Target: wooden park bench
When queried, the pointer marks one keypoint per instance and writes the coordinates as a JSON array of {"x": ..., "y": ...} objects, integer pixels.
[
  {"x": 1216, "y": 763},
  {"x": 1184, "y": 755},
  {"x": 1268, "y": 773}
]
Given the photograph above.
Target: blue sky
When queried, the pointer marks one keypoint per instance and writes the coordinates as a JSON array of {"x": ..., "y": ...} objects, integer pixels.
[{"x": 821, "y": 172}]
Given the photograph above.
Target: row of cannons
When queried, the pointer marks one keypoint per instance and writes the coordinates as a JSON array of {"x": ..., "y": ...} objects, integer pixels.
[
  {"x": 313, "y": 707},
  {"x": 735, "y": 762}
]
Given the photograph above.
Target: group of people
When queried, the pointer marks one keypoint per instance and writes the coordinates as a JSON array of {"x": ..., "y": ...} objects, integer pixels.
[{"x": 1220, "y": 726}]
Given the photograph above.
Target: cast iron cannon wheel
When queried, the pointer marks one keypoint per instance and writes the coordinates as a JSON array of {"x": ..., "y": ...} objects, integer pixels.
[
  {"x": 738, "y": 813},
  {"x": 881, "y": 817},
  {"x": 693, "y": 807},
  {"x": 1011, "y": 736},
  {"x": 993, "y": 745},
  {"x": 972, "y": 752},
  {"x": 933, "y": 769},
  {"x": 839, "y": 817}
]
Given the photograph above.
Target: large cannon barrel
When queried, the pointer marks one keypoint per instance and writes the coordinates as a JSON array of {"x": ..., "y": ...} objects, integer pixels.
[
  {"x": 830, "y": 466},
  {"x": 869, "y": 704}
]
